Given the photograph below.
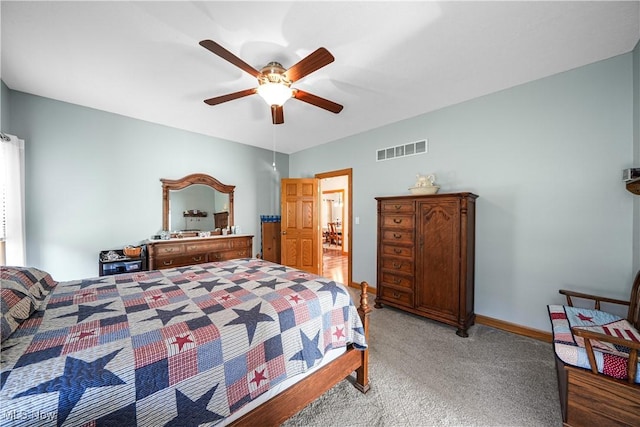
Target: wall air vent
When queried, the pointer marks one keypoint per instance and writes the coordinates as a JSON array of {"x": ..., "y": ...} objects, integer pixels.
[{"x": 404, "y": 150}]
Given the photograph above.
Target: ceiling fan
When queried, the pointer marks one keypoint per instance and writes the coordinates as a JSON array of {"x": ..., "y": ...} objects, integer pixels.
[{"x": 274, "y": 81}]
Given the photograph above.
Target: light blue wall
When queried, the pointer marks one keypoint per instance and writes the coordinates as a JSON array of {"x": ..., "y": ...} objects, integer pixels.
[
  {"x": 4, "y": 106},
  {"x": 545, "y": 159},
  {"x": 93, "y": 180}
]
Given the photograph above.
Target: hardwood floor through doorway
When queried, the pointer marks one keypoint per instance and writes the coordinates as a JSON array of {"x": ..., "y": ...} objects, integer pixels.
[{"x": 335, "y": 264}]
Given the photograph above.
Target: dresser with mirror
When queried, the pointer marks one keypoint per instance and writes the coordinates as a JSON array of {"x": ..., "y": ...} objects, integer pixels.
[{"x": 191, "y": 210}]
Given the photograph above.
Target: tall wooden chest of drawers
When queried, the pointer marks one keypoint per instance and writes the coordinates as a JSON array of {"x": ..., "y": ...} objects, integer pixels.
[{"x": 426, "y": 256}]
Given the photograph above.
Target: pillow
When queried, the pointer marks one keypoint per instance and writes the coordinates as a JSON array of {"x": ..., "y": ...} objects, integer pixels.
[
  {"x": 31, "y": 281},
  {"x": 16, "y": 308},
  {"x": 22, "y": 291}
]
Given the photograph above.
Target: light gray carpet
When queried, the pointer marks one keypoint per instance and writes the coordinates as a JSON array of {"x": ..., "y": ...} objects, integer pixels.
[{"x": 423, "y": 374}]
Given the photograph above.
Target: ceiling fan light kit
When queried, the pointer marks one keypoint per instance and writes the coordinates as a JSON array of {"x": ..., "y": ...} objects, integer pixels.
[
  {"x": 274, "y": 81},
  {"x": 275, "y": 93}
]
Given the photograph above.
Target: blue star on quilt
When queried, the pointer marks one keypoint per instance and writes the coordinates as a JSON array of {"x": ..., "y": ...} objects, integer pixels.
[
  {"x": 310, "y": 351},
  {"x": 193, "y": 412},
  {"x": 88, "y": 282},
  {"x": 229, "y": 269},
  {"x": 145, "y": 286},
  {"x": 250, "y": 318},
  {"x": 210, "y": 284},
  {"x": 166, "y": 315},
  {"x": 268, "y": 284},
  {"x": 86, "y": 311},
  {"x": 77, "y": 377},
  {"x": 281, "y": 268},
  {"x": 333, "y": 288}
]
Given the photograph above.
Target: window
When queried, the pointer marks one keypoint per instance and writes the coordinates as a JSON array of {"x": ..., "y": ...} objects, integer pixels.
[{"x": 12, "y": 231}]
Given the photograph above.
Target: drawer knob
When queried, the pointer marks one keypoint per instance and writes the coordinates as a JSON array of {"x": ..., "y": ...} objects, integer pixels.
[
  {"x": 168, "y": 262},
  {"x": 397, "y": 280},
  {"x": 197, "y": 259},
  {"x": 398, "y": 251},
  {"x": 398, "y": 207},
  {"x": 396, "y": 294},
  {"x": 397, "y": 235},
  {"x": 397, "y": 265},
  {"x": 168, "y": 250},
  {"x": 397, "y": 220}
]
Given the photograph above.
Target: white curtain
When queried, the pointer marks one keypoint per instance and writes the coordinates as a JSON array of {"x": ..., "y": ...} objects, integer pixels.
[{"x": 12, "y": 186}]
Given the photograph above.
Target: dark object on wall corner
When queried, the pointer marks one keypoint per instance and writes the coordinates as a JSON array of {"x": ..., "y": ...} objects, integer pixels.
[
  {"x": 631, "y": 177},
  {"x": 634, "y": 187},
  {"x": 631, "y": 174}
]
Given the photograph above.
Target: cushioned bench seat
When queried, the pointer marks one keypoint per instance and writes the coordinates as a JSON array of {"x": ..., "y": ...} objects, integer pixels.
[
  {"x": 597, "y": 359},
  {"x": 611, "y": 359}
]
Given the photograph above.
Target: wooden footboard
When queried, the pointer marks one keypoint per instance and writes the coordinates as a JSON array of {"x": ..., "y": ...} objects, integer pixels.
[
  {"x": 589, "y": 399},
  {"x": 288, "y": 403}
]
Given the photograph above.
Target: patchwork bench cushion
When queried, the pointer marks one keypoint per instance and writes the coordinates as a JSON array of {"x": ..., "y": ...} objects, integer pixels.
[{"x": 611, "y": 359}]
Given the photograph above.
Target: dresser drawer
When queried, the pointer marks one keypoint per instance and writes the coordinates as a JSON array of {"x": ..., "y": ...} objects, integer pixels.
[
  {"x": 396, "y": 296},
  {"x": 397, "y": 280},
  {"x": 175, "y": 249},
  {"x": 205, "y": 246},
  {"x": 397, "y": 221},
  {"x": 399, "y": 206},
  {"x": 397, "y": 236},
  {"x": 179, "y": 261},
  {"x": 230, "y": 254},
  {"x": 400, "y": 251},
  {"x": 397, "y": 265},
  {"x": 241, "y": 242}
]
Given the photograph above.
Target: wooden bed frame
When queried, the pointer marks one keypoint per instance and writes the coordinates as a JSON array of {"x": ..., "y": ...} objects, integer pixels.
[
  {"x": 588, "y": 398},
  {"x": 288, "y": 403}
]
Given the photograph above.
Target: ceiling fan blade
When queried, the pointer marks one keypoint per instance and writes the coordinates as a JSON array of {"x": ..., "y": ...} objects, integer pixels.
[
  {"x": 230, "y": 96},
  {"x": 317, "y": 101},
  {"x": 277, "y": 114},
  {"x": 314, "y": 61},
  {"x": 225, "y": 54}
]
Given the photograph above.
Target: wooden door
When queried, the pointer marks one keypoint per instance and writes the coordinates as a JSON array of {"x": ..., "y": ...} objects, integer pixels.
[
  {"x": 438, "y": 263},
  {"x": 300, "y": 243}
]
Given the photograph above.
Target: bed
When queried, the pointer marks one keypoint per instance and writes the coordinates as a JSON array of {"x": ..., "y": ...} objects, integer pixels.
[{"x": 198, "y": 345}]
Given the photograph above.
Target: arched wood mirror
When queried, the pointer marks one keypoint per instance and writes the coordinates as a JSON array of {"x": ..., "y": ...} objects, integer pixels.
[{"x": 197, "y": 202}]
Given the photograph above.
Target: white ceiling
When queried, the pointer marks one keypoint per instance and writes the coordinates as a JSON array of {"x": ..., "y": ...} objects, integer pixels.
[{"x": 394, "y": 60}]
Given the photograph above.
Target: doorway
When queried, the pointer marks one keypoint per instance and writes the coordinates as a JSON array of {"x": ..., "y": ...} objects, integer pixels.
[{"x": 336, "y": 224}]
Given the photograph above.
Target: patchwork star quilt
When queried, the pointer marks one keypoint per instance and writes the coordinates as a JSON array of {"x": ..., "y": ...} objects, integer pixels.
[
  {"x": 178, "y": 347},
  {"x": 611, "y": 359}
]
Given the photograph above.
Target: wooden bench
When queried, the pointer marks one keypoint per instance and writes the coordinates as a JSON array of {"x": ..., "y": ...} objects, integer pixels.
[{"x": 587, "y": 396}]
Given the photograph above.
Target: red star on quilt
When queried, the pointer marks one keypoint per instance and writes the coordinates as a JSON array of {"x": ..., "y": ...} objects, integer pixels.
[
  {"x": 157, "y": 297},
  {"x": 585, "y": 318},
  {"x": 181, "y": 341},
  {"x": 295, "y": 298},
  {"x": 225, "y": 297},
  {"x": 339, "y": 333},
  {"x": 85, "y": 334},
  {"x": 259, "y": 376}
]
